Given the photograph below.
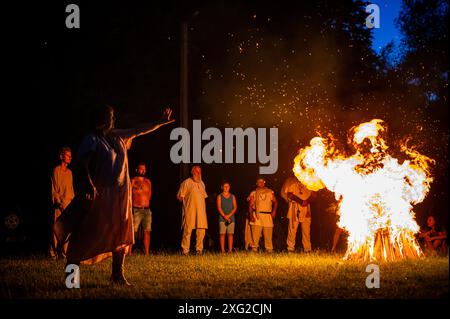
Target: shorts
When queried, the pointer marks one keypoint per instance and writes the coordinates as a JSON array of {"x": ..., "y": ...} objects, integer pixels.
[
  {"x": 226, "y": 229},
  {"x": 144, "y": 216}
]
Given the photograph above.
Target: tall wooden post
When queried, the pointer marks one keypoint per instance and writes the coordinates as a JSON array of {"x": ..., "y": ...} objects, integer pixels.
[{"x": 184, "y": 115}]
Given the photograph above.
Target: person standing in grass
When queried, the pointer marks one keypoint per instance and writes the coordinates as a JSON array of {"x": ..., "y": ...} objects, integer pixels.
[
  {"x": 142, "y": 193},
  {"x": 192, "y": 195},
  {"x": 226, "y": 206},
  {"x": 299, "y": 212},
  {"x": 62, "y": 195},
  {"x": 262, "y": 210},
  {"x": 100, "y": 220}
]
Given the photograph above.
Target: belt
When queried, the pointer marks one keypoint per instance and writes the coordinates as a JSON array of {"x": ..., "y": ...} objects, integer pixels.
[
  {"x": 141, "y": 207},
  {"x": 264, "y": 212}
]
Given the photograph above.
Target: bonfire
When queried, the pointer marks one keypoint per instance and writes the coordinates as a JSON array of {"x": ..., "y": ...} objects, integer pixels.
[{"x": 375, "y": 191}]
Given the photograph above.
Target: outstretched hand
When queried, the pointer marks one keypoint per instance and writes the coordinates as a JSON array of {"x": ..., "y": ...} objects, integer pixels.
[{"x": 166, "y": 117}]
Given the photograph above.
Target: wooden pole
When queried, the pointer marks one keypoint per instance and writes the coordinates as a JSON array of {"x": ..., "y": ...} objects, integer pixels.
[{"x": 184, "y": 115}]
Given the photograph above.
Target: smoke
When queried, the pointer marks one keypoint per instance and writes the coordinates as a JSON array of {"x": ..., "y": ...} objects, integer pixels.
[
  {"x": 273, "y": 70},
  {"x": 306, "y": 70}
]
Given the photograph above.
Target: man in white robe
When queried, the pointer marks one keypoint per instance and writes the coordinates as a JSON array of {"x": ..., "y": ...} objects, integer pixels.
[
  {"x": 192, "y": 194},
  {"x": 299, "y": 212}
]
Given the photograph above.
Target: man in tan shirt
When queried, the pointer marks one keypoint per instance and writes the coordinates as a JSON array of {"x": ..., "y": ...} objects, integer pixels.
[
  {"x": 262, "y": 211},
  {"x": 62, "y": 194}
]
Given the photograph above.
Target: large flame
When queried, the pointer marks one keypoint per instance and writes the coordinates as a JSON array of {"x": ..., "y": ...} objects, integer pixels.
[{"x": 374, "y": 191}]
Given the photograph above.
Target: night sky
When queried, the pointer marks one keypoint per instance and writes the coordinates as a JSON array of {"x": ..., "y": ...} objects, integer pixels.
[
  {"x": 251, "y": 64},
  {"x": 388, "y": 31}
]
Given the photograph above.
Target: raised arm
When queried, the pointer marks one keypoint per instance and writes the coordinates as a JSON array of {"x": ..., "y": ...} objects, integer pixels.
[{"x": 145, "y": 128}]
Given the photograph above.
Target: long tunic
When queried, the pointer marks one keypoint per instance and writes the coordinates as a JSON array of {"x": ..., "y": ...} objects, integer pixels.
[
  {"x": 194, "y": 206},
  {"x": 263, "y": 200},
  {"x": 296, "y": 212},
  {"x": 99, "y": 227}
]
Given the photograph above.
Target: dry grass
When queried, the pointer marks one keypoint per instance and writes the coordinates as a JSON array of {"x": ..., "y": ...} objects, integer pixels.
[{"x": 238, "y": 275}]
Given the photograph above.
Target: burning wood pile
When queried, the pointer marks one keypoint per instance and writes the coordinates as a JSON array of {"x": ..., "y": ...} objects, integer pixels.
[{"x": 375, "y": 191}]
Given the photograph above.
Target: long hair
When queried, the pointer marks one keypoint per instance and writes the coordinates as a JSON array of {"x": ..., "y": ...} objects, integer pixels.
[{"x": 437, "y": 225}]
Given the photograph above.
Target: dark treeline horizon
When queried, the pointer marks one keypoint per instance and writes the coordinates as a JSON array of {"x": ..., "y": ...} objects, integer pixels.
[{"x": 304, "y": 67}]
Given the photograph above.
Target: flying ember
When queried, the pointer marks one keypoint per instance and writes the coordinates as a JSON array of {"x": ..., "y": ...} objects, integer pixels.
[{"x": 375, "y": 191}]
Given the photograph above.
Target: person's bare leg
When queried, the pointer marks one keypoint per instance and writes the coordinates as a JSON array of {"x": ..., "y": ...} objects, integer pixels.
[
  {"x": 222, "y": 243},
  {"x": 436, "y": 243},
  {"x": 147, "y": 242},
  {"x": 118, "y": 269},
  {"x": 55, "y": 245},
  {"x": 444, "y": 248},
  {"x": 336, "y": 236},
  {"x": 429, "y": 244},
  {"x": 230, "y": 243},
  {"x": 64, "y": 249},
  {"x": 131, "y": 246}
]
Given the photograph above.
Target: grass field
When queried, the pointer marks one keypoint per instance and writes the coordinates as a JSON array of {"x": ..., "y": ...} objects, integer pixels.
[{"x": 238, "y": 275}]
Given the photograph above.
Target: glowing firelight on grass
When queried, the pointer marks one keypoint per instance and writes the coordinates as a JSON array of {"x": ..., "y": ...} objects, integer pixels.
[{"x": 374, "y": 190}]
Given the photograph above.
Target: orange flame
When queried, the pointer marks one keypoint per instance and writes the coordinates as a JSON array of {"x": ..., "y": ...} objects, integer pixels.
[{"x": 375, "y": 192}]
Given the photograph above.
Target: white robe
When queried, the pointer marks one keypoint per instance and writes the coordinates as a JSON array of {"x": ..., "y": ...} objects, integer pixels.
[
  {"x": 194, "y": 206},
  {"x": 298, "y": 189},
  {"x": 263, "y": 201}
]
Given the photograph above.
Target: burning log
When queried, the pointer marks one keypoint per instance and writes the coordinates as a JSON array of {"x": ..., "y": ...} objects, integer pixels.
[{"x": 387, "y": 248}]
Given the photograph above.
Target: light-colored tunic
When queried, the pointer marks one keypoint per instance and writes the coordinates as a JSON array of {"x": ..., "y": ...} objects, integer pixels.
[
  {"x": 194, "y": 206},
  {"x": 105, "y": 224},
  {"x": 62, "y": 195},
  {"x": 263, "y": 200},
  {"x": 292, "y": 185}
]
